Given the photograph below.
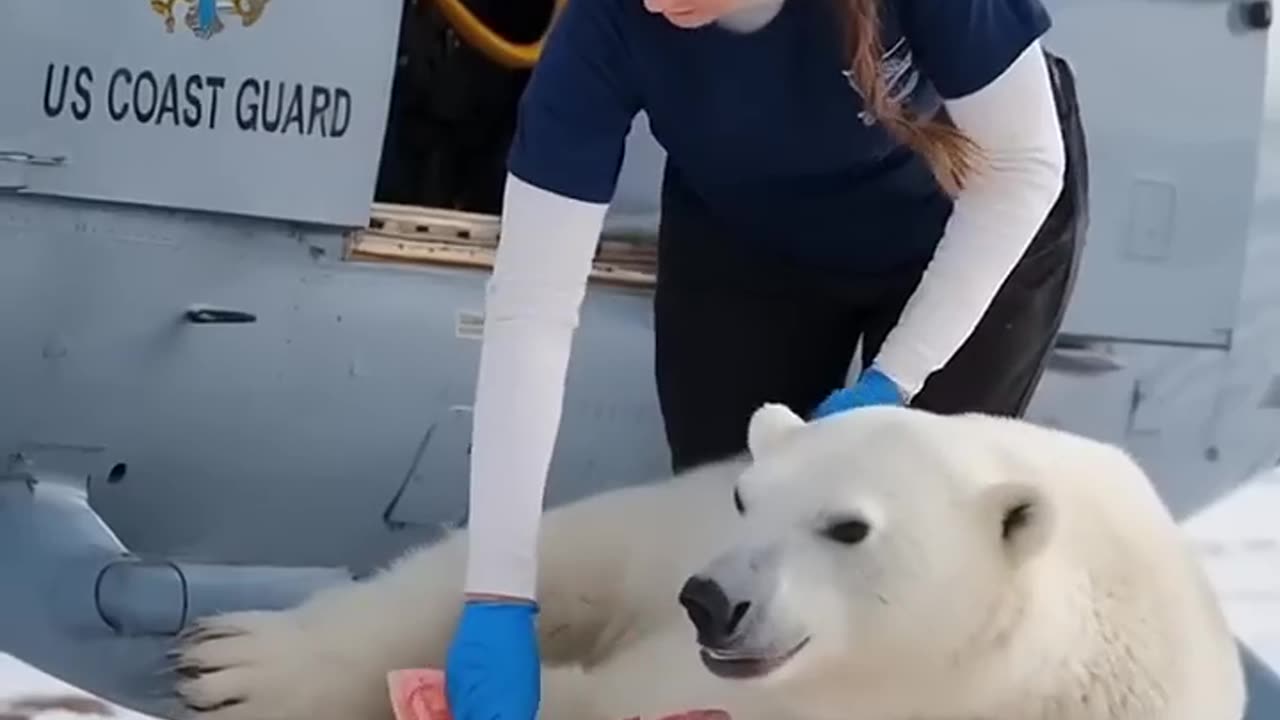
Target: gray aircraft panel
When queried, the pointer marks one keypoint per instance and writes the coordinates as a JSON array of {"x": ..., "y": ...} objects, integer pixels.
[
  {"x": 347, "y": 368},
  {"x": 1172, "y": 93},
  {"x": 276, "y": 119}
]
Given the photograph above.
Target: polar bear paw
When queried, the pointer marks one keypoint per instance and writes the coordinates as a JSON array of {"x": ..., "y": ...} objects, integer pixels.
[{"x": 263, "y": 665}]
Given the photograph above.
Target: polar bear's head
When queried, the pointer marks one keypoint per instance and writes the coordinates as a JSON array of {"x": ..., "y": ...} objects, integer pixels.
[{"x": 883, "y": 544}]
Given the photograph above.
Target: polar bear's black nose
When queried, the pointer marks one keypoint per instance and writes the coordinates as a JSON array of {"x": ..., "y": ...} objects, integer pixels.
[{"x": 713, "y": 616}]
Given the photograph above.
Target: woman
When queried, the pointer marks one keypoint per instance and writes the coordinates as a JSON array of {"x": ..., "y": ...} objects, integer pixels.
[{"x": 839, "y": 172}]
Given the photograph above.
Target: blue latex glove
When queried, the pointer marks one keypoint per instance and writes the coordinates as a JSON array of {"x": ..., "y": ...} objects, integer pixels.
[
  {"x": 872, "y": 388},
  {"x": 492, "y": 670}
]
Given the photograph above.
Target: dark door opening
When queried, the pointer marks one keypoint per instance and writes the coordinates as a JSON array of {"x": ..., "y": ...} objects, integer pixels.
[{"x": 452, "y": 111}]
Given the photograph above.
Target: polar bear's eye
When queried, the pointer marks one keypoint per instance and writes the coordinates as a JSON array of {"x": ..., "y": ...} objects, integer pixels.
[
  {"x": 850, "y": 531},
  {"x": 737, "y": 502}
]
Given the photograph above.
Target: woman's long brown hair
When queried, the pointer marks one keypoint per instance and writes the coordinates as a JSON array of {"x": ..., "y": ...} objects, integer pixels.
[{"x": 949, "y": 153}]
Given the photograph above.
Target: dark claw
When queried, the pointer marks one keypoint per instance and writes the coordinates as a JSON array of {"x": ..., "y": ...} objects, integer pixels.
[
  {"x": 210, "y": 708},
  {"x": 199, "y": 633},
  {"x": 200, "y": 628},
  {"x": 193, "y": 672}
]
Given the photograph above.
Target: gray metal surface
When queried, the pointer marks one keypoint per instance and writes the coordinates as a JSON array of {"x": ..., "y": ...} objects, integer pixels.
[
  {"x": 1264, "y": 687},
  {"x": 292, "y": 439},
  {"x": 77, "y": 604},
  {"x": 275, "y": 119}
]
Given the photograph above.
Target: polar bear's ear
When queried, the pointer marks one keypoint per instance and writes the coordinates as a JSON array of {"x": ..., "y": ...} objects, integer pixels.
[
  {"x": 769, "y": 425},
  {"x": 1022, "y": 515}
]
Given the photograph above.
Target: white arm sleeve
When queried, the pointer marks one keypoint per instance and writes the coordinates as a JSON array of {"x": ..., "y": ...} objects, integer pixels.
[
  {"x": 1015, "y": 123},
  {"x": 531, "y": 311}
]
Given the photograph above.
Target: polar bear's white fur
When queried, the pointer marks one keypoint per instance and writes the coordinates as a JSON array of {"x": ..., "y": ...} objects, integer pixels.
[{"x": 887, "y": 564}]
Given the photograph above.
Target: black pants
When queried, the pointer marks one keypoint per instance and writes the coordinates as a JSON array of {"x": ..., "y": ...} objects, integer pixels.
[{"x": 732, "y": 333}]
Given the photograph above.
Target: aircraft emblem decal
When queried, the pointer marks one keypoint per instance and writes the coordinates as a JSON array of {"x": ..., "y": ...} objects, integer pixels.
[{"x": 204, "y": 17}]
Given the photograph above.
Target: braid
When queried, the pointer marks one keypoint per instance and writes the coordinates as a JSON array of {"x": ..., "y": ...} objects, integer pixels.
[{"x": 949, "y": 153}]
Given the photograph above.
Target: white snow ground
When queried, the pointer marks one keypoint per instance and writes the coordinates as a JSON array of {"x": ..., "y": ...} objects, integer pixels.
[
  {"x": 26, "y": 692},
  {"x": 1239, "y": 542}
]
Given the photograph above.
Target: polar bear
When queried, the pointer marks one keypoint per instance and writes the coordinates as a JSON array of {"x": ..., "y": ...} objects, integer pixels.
[{"x": 881, "y": 564}]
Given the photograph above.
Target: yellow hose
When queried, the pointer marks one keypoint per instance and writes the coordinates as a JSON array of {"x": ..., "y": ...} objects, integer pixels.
[{"x": 475, "y": 33}]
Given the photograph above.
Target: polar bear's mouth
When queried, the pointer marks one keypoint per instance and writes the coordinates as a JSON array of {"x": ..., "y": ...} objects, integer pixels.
[{"x": 737, "y": 665}]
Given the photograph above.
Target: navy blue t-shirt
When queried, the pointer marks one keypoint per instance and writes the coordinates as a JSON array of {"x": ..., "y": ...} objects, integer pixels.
[{"x": 765, "y": 130}]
